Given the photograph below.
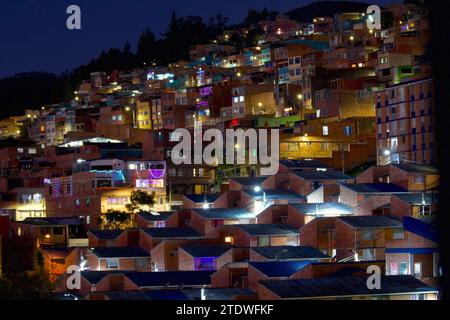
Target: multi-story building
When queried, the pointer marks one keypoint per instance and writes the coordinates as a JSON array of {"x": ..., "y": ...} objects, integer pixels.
[{"x": 405, "y": 123}]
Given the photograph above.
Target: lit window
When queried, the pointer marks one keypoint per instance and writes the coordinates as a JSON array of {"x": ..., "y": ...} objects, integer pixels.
[
  {"x": 112, "y": 263},
  {"x": 325, "y": 130}
]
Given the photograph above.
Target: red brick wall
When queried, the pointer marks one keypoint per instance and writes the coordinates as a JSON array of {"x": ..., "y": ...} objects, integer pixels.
[
  {"x": 365, "y": 208},
  {"x": 295, "y": 217},
  {"x": 273, "y": 214}
]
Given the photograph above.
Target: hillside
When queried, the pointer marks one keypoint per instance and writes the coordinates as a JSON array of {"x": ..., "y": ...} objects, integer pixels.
[{"x": 325, "y": 9}]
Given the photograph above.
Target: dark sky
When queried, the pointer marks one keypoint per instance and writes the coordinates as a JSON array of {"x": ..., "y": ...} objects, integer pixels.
[{"x": 34, "y": 37}]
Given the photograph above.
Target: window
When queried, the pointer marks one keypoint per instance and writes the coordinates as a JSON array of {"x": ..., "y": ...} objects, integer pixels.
[
  {"x": 263, "y": 241},
  {"x": 398, "y": 234},
  {"x": 418, "y": 269},
  {"x": 325, "y": 130},
  {"x": 348, "y": 130},
  {"x": 32, "y": 151},
  {"x": 207, "y": 263},
  {"x": 368, "y": 235},
  {"x": 419, "y": 179},
  {"x": 368, "y": 254},
  {"x": 393, "y": 268},
  {"x": 403, "y": 268},
  {"x": 112, "y": 263}
]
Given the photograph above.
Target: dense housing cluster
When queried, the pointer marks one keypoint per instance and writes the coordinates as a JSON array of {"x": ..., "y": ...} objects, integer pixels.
[{"x": 91, "y": 182}]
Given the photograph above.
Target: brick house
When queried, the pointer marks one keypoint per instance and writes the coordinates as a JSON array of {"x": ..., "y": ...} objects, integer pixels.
[
  {"x": 151, "y": 237},
  {"x": 118, "y": 258},
  {"x": 204, "y": 257},
  {"x": 301, "y": 214},
  {"x": 205, "y": 220},
  {"x": 256, "y": 235},
  {"x": 286, "y": 253},
  {"x": 365, "y": 237},
  {"x": 149, "y": 220}
]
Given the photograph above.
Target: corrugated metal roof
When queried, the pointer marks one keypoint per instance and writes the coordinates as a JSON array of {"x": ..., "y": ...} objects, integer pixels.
[
  {"x": 267, "y": 229},
  {"x": 225, "y": 213},
  {"x": 171, "y": 232},
  {"x": 279, "y": 268},
  {"x": 290, "y": 252},
  {"x": 360, "y": 222},
  {"x": 344, "y": 286},
  {"x": 120, "y": 252}
]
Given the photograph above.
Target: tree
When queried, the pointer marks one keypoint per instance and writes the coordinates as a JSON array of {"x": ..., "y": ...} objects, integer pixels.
[
  {"x": 114, "y": 219},
  {"x": 140, "y": 199}
]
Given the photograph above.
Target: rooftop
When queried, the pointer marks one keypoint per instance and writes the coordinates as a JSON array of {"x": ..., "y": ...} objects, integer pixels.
[
  {"x": 344, "y": 286},
  {"x": 172, "y": 233},
  {"x": 267, "y": 229},
  {"x": 106, "y": 234},
  {"x": 417, "y": 168},
  {"x": 200, "y": 251},
  {"x": 323, "y": 209},
  {"x": 250, "y": 181},
  {"x": 418, "y": 198},
  {"x": 290, "y": 252},
  {"x": 360, "y": 222},
  {"x": 161, "y": 216},
  {"x": 374, "y": 187},
  {"x": 322, "y": 175},
  {"x": 279, "y": 268},
  {"x": 224, "y": 213},
  {"x": 202, "y": 198},
  {"x": 53, "y": 221},
  {"x": 303, "y": 164},
  {"x": 171, "y": 278},
  {"x": 120, "y": 252},
  {"x": 280, "y": 194}
]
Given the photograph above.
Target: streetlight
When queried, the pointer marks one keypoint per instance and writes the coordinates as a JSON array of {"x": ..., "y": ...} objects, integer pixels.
[{"x": 258, "y": 189}]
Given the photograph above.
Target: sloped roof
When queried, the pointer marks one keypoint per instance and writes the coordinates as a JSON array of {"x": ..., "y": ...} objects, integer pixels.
[
  {"x": 201, "y": 198},
  {"x": 162, "y": 216},
  {"x": 344, "y": 286},
  {"x": 267, "y": 229},
  {"x": 290, "y": 252},
  {"x": 106, "y": 234},
  {"x": 250, "y": 181},
  {"x": 279, "y": 268},
  {"x": 374, "y": 187},
  {"x": 120, "y": 252},
  {"x": 359, "y": 222},
  {"x": 328, "y": 208},
  {"x": 417, "y": 168},
  {"x": 213, "y": 250},
  {"x": 171, "y": 232},
  {"x": 171, "y": 278},
  {"x": 303, "y": 164},
  {"x": 322, "y": 175},
  {"x": 279, "y": 194},
  {"x": 418, "y": 197},
  {"x": 225, "y": 213}
]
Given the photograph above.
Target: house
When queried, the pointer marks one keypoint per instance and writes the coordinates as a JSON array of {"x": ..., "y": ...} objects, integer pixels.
[
  {"x": 320, "y": 233},
  {"x": 416, "y": 204},
  {"x": 150, "y": 220},
  {"x": 306, "y": 182},
  {"x": 191, "y": 201},
  {"x": 286, "y": 253},
  {"x": 414, "y": 177},
  {"x": 364, "y": 237},
  {"x": 417, "y": 253},
  {"x": 257, "y": 200},
  {"x": 323, "y": 269},
  {"x": 105, "y": 238},
  {"x": 300, "y": 214},
  {"x": 167, "y": 280},
  {"x": 51, "y": 232},
  {"x": 355, "y": 193},
  {"x": 256, "y": 235},
  {"x": 272, "y": 270},
  {"x": 118, "y": 258},
  {"x": 205, "y": 220},
  {"x": 347, "y": 288},
  {"x": 204, "y": 257},
  {"x": 249, "y": 183},
  {"x": 232, "y": 275},
  {"x": 151, "y": 237}
]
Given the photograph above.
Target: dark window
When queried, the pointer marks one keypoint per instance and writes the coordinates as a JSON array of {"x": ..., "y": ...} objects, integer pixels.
[{"x": 413, "y": 114}]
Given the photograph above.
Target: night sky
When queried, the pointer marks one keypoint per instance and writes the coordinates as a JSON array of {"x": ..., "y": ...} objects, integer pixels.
[{"x": 33, "y": 34}]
